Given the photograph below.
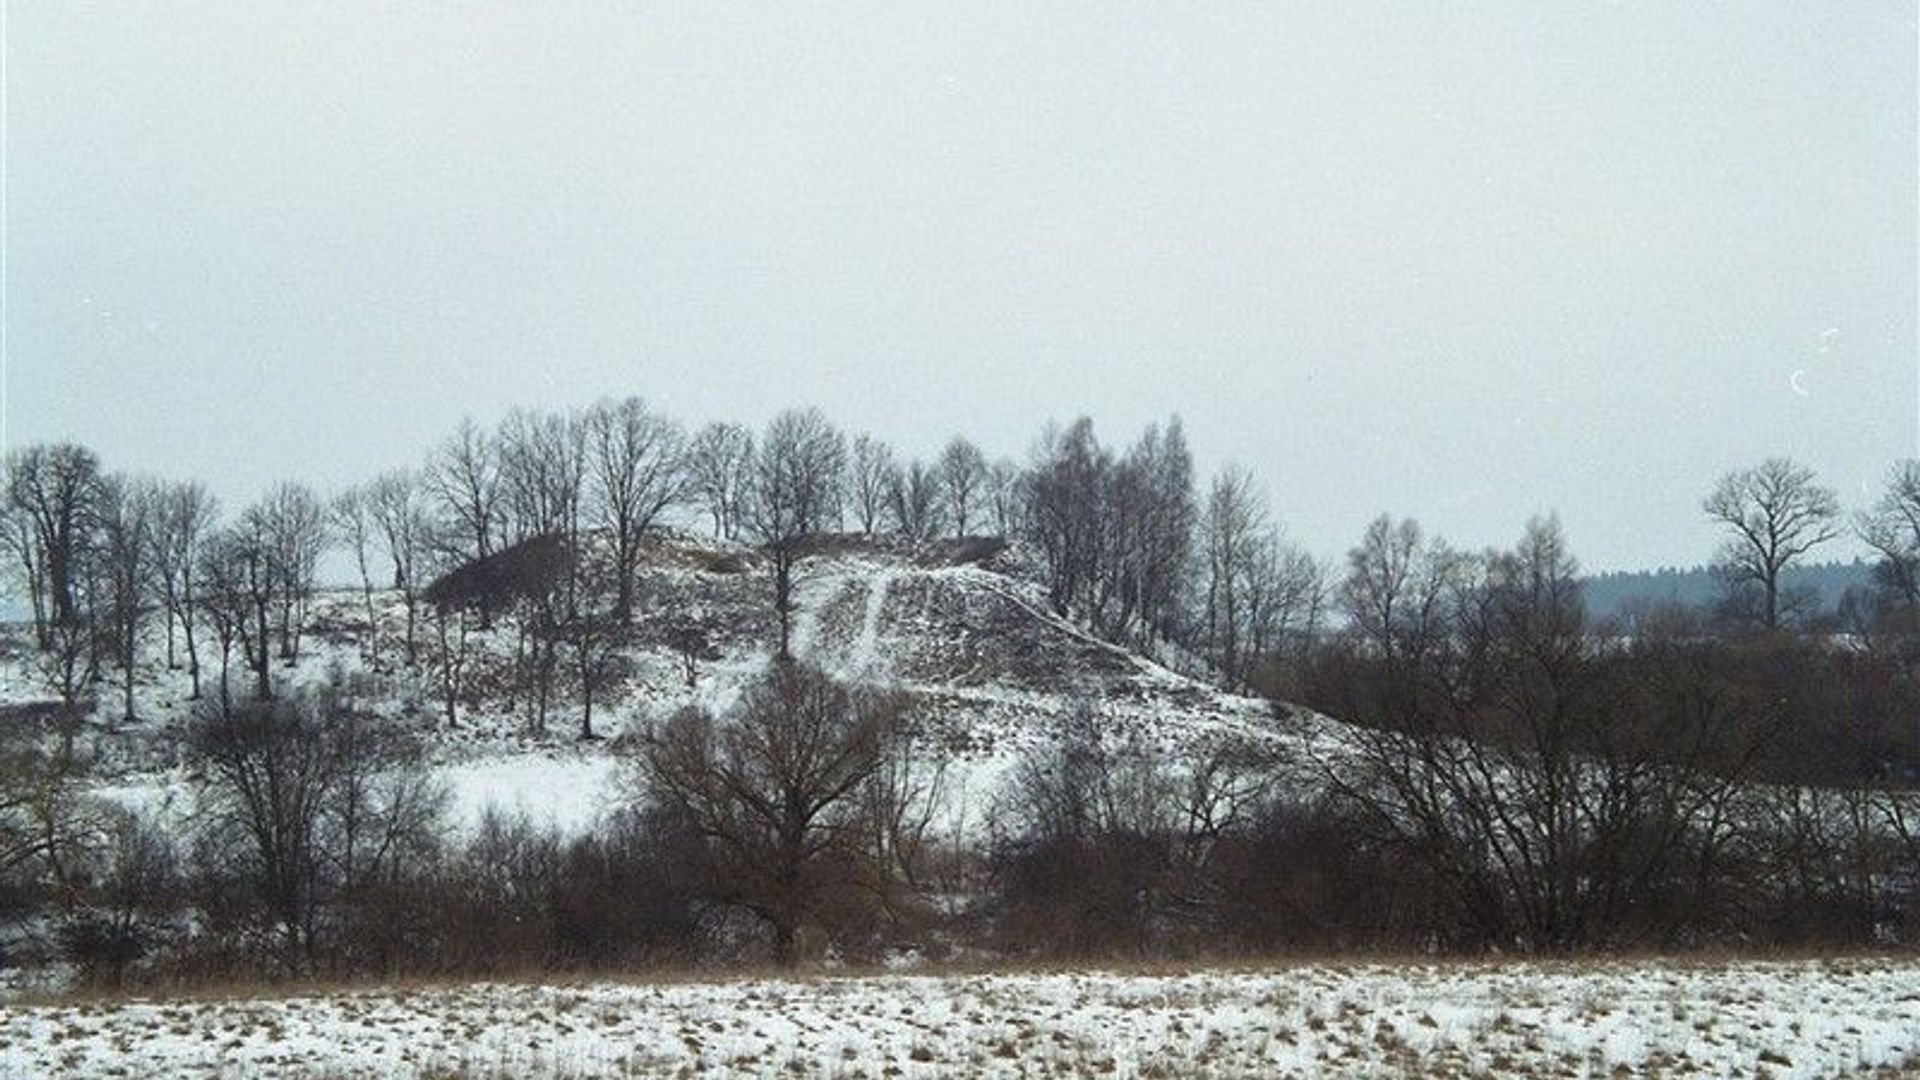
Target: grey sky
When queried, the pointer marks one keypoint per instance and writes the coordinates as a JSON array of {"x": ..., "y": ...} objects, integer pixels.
[{"x": 1461, "y": 262}]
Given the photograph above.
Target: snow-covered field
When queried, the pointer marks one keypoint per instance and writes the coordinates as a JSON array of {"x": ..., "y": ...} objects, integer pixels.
[{"x": 1816, "y": 1018}]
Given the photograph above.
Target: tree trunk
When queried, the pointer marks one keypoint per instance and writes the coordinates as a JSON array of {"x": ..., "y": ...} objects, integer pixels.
[
  {"x": 126, "y": 682},
  {"x": 261, "y": 656},
  {"x": 783, "y": 595},
  {"x": 193, "y": 650},
  {"x": 783, "y": 950}
]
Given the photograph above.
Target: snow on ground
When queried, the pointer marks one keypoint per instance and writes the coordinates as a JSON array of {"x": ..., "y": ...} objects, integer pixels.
[
  {"x": 565, "y": 791},
  {"x": 1817, "y": 1018}
]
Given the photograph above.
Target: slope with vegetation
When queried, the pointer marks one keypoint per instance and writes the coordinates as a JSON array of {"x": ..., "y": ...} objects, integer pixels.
[{"x": 910, "y": 708}]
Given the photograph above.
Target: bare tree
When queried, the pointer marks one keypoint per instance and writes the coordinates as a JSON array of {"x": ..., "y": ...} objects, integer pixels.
[
  {"x": 127, "y": 515},
  {"x": 1396, "y": 588},
  {"x": 292, "y": 522},
  {"x": 774, "y": 786},
  {"x": 1776, "y": 513},
  {"x": 1003, "y": 496},
  {"x": 351, "y": 514},
  {"x": 1892, "y": 528},
  {"x": 720, "y": 469},
  {"x": 452, "y": 629},
  {"x": 465, "y": 479},
  {"x": 593, "y": 632},
  {"x": 545, "y": 463},
  {"x": 1065, "y": 513},
  {"x": 962, "y": 470},
  {"x": 914, "y": 493},
  {"x": 400, "y": 510},
  {"x": 1286, "y": 596},
  {"x": 20, "y": 540},
  {"x": 57, "y": 488},
  {"x": 796, "y": 494},
  {"x": 186, "y": 515},
  {"x": 312, "y": 803},
  {"x": 1152, "y": 513},
  {"x": 242, "y": 585},
  {"x": 1236, "y": 519},
  {"x": 869, "y": 483},
  {"x": 47, "y": 824},
  {"x": 638, "y": 461},
  {"x": 1261, "y": 595},
  {"x": 68, "y": 665},
  {"x": 222, "y": 572},
  {"x": 542, "y": 474}
]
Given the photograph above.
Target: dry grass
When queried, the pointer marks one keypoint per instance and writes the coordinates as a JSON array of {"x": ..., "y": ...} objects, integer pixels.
[{"x": 1840, "y": 963}]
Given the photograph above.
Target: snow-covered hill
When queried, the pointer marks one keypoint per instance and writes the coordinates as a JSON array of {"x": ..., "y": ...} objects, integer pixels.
[{"x": 962, "y": 628}]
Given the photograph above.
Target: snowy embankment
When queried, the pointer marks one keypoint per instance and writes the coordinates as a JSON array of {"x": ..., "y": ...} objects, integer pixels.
[{"x": 1819, "y": 1018}]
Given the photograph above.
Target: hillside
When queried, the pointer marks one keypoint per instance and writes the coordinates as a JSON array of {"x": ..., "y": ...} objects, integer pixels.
[{"x": 961, "y": 628}]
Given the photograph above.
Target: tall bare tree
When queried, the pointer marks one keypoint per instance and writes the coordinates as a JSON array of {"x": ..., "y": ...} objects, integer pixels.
[
  {"x": 1003, "y": 496},
  {"x": 797, "y": 481},
  {"x": 1235, "y": 520},
  {"x": 293, "y": 522},
  {"x": 1892, "y": 528},
  {"x": 1559, "y": 795},
  {"x": 638, "y": 461},
  {"x": 19, "y": 540},
  {"x": 543, "y": 466},
  {"x": 57, "y": 488},
  {"x": 774, "y": 786},
  {"x": 223, "y": 600},
  {"x": 310, "y": 802},
  {"x": 1775, "y": 513},
  {"x": 914, "y": 498},
  {"x": 127, "y": 515},
  {"x": 242, "y": 586},
  {"x": 352, "y": 518},
  {"x": 1286, "y": 597},
  {"x": 185, "y": 517},
  {"x": 1396, "y": 589},
  {"x": 720, "y": 462},
  {"x": 962, "y": 470},
  {"x": 399, "y": 508},
  {"x": 869, "y": 481},
  {"x": 1065, "y": 513},
  {"x": 1152, "y": 514},
  {"x": 465, "y": 479}
]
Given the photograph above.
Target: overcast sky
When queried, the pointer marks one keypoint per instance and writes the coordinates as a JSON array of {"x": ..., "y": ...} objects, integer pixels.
[{"x": 1464, "y": 263}]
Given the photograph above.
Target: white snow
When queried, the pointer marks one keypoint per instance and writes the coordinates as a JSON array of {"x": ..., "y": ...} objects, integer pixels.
[
  {"x": 568, "y": 792},
  {"x": 1818, "y": 1018}
]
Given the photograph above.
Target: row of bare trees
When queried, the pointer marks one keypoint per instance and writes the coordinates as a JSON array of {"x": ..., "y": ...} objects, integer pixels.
[{"x": 1129, "y": 547}]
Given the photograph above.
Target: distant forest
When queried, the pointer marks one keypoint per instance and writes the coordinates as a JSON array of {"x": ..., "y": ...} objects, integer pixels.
[{"x": 1703, "y": 586}]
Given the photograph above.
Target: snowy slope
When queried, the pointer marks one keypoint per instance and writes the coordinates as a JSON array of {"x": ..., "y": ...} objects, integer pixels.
[{"x": 970, "y": 640}]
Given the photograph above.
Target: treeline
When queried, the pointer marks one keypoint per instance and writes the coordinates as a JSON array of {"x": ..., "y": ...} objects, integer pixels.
[{"x": 1131, "y": 544}]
